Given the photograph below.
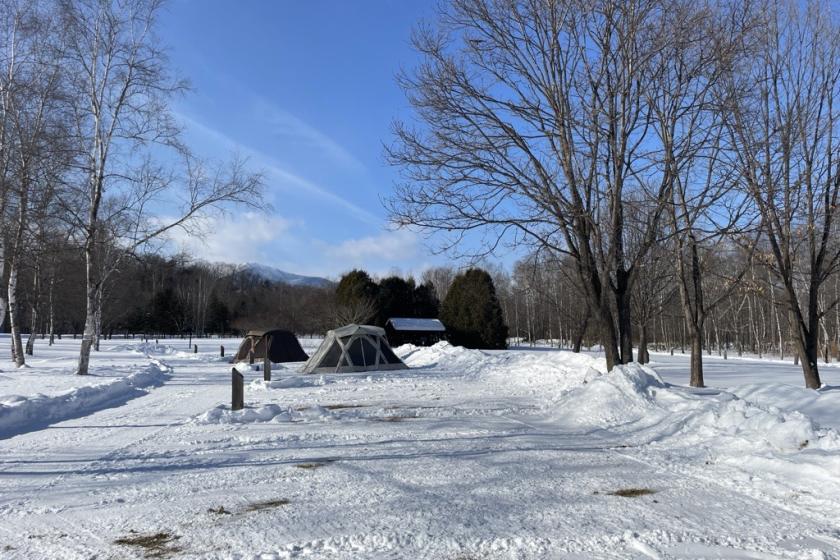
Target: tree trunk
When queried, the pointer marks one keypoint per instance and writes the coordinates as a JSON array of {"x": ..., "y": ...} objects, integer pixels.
[
  {"x": 808, "y": 352},
  {"x": 14, "y": 318},
  {"x": 609, "y": 338},
  {"x": 625, "y": 322},
  {"x": 697, "y": 357},
  {"x": 581, "y": 332},
  {"x": 97, "y": 321},
  {"x": 90, "y": 308},
  {"x": 2, "y": 275},
  {"x": 644, "y": 356},
  {"x": 36, "y": 288},
  {"x": 52, "y": 310}
]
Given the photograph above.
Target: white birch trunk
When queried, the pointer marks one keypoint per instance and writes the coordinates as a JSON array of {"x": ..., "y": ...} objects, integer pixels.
[{"x": 14, "y": 319}]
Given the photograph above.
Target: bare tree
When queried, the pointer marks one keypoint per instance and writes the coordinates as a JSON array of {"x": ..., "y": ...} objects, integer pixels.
[
  {"x": 440, "y": 277},
  {"x": 782, "y": 119},
  {"x": 123, "y": 86},
  {"x": 358, "y": 311},
  {"x": 538, "y": 130},
  {"x": 32, "y": 119}
]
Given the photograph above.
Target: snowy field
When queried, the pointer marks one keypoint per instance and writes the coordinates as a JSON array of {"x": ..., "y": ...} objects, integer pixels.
[{"x": 467, "y": 455}]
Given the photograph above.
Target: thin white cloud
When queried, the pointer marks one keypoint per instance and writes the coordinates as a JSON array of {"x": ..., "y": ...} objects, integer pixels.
[
  {"x": 286, "y": 244},
  {"x": 239, "y": 238},
  {"x": 399, "y": 246},
  {"x": 271, "y": 167},
  {"x": 288, "y": 125}
]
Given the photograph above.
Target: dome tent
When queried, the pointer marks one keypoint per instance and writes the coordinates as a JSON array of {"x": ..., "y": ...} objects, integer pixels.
[
  {"x": 353, "y": 348},
  {"x": 283, "y": 346}
]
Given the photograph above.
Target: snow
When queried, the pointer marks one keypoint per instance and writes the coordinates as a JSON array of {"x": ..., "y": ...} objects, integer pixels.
[{"x": 468, "y": 454}]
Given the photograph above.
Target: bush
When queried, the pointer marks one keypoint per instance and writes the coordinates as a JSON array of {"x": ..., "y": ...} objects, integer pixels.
[{"x": 472, "y": 314}]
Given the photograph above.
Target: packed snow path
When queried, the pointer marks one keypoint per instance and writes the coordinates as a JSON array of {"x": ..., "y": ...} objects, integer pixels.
[{"x": 465, "y": 456}]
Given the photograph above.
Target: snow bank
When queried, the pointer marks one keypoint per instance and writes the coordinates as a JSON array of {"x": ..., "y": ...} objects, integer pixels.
[
  {"x": 540, "y": 371},
  {"x": 755, "y": 447},
  {"x": 222, "y": 414},
  {"x": 634, "y": 399},
  {"x": 19, "y": 414},
  {"x": 821, "y": 406},
  {"x": 292, "y": 382}
]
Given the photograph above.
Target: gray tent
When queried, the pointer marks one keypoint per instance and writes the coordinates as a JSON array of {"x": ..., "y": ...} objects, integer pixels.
[{"x": 353, "y": 348}]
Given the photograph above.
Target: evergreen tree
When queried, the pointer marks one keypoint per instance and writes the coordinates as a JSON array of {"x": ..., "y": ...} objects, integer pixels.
[
  {"x": 166, "y": 313},
  {"x": 425, "y": 302},
  {"x": 472, "y": 314},
  {"x": 396, "y": 297},
  {"x": 356, "y": 297},
  {"x": 218, "y": 316},
  {"x": 354, "y": 286}
]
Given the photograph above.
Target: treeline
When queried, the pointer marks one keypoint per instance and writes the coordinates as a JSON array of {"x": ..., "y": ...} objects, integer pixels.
[
  {"x": 542, "y": 303},
  {"x": 159, "y": 296},
  {"x": 612, "y": 138},
  {"x": 94, "y": 172}
]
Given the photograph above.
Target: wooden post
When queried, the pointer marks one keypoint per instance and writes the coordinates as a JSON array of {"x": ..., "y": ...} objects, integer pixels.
[
  {"x": 237, "y": 401},
  {"x": 222, "y": 351},
  {"x": 195, "y": 348},
  {"x": 267, "y": 360},
  {"x": 267, "y": 368}
]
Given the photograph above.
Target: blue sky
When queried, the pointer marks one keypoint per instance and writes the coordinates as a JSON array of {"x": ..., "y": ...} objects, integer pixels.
[{"x": 306, "y": 90}]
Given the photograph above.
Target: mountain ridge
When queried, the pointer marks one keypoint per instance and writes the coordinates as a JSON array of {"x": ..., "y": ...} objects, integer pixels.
[{"x": 276, "y": 275}]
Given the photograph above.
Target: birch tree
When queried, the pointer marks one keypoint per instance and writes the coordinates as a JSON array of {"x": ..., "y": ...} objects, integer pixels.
[{"x": 123, "y": 86}]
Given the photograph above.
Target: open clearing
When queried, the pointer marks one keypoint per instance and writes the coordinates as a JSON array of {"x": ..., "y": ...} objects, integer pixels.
[{"x": 513, "y": 454}]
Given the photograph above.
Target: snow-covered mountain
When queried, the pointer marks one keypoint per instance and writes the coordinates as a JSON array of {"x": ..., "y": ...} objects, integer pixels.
[{"x": 281, "y": 276}]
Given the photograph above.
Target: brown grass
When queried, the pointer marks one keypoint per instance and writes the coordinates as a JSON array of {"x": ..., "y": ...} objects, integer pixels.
[
  {"x": 155, "y": 545},
  {"x": 219, "y": 510},
  {"x": 267, "y": 504},
  {"x": 316, "y": 465},
  {"x": 632, "y": 492},
  {"x": 341, "y": 406}
]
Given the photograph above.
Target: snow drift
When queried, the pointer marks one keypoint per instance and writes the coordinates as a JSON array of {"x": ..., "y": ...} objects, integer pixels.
[
  {"x": 20, "y": 414},
  {"x": 273, "y": 413},
  {"x": 710, "y": 433}
]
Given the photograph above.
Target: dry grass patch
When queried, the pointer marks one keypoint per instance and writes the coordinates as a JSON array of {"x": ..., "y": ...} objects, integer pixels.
[
  {"x": 267, "y": 504},
  {"x": 341, "y": 406},
  {"x": 314, "y": 465},
  {"x": 155, "y": 545},
  {"x": 219, "y": 511},
  {"x": 632, "y": 492}
]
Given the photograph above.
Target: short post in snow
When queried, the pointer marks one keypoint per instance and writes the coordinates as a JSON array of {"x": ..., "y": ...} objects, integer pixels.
[
  {"x": 195, "y": 348},
  {"x": 222, "y": 351},
  {"x": 267, "y": 360},
  {"x": 237, "y": 400}
]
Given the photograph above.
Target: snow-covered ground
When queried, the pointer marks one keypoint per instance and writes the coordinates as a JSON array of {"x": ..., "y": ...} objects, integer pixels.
[{"x": 467, "y": 455}]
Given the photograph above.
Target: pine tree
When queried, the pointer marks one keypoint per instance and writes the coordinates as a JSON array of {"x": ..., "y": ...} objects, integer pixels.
[
  {"x": 425, "y": 302},
  {"x": 354, "y": 286},
  {"x": 395, "y": 299},
  {"x": 472, "y": 314}
]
